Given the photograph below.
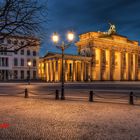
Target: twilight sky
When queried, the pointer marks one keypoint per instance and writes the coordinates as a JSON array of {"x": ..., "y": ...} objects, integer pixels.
[{"x": 91, "y": 15}]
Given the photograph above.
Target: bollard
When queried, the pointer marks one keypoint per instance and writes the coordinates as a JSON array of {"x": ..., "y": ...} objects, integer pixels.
[
  {"x": 26, "y": 93},
  {"x": 57, "y": 95},
  {"x": 131, "y": 101},
  {"x": 91, "y": 96}
]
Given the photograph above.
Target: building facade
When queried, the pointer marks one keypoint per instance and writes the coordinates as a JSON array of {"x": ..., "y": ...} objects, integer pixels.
[
  {"x": 101, "y": 56},
  {"x": 114, "y": 57},
  {"x": 76, "y": 67},
  {"x": 14, "y": 65}
]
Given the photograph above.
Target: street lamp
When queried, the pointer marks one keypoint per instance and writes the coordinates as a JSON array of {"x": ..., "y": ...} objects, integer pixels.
[
  {"x": 29, "y": 65},
  {"x": 62, "y": 47}
]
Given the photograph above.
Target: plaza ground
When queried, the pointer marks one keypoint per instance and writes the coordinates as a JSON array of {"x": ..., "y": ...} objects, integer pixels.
[{"x": 40, "y": 117}]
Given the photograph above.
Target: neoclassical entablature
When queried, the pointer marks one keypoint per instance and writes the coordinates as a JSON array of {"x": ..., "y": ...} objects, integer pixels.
[
  {"x": 115, "y": 42},
  {"x": 50, "y": 56}
]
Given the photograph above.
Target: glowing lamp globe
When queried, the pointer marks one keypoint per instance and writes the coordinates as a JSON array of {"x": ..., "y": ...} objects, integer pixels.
[
  {"x": 55, "y": 38},
  {"x": 70, "y": 36},
  {"x": 29, "y": 63}
]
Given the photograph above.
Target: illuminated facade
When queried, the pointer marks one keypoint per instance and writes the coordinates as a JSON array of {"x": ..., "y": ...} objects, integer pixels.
[
  {"x": 114, "y": 57},
  {"x": 76, "y": 68},
  {"x": 13, "y": 65},
  {"x": 101, "y": 56}
]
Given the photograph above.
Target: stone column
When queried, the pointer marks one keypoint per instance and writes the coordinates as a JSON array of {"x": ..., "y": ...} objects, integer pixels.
[
  {"x": 89, "y": 71},
  {"x": 47, "y": 75},
  {"x": 119, "y": 65},
  {"x": 66, "y": 70},
  {"x": 56, "y": 71},
  {"x": 85, "y": 72},
  {"x": 77, "y": 71},
  {"x": 134, "y": 66},
  {"x": 53, "y": 70},
  {"x": 74, "y": 71},
  {"x": 82, "y": 71},
  {"x": 101, "y": 65},
  {"x": 127, "y": 66},
  {"x": 59, "y": 70},
  {"x": 109, "y": 64}
]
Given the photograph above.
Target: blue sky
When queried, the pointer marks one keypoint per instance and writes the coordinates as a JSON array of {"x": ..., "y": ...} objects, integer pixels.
[{"x": 90, "y": 15}]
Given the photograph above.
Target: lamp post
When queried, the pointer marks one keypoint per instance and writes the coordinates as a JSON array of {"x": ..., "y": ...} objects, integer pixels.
[
  {"x": 29, "y": 65},
  {"x": 62, "y": 47}
]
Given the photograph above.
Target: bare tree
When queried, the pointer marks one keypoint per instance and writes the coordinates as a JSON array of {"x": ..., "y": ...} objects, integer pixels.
[{"x": 22, "y": 17}]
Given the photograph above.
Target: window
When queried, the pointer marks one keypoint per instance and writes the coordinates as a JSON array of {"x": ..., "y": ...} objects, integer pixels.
[
  {"x": 15, "y": 52},
  {"x": 1, "y": 41},
  {"x": 34, "y": 63},
  {"x": 22, "y": 74},
  {"x": 28, "y": 60},
  {"x": 28, "y": 52},
  {"x": 4, "y": 62},
  {"x": 9, "y": 41},
  {"x": 34, "y": 53},
  {"x": 2, "y": 48},
  {"x": 22, "y": 62},
  {"x": 5, "y": 51},
  {"x": 15, "y": 62},
  {"x": 28, "y": 74},
  {"x": 22, "y": 52},
  {"x": 15, "y": 74},
  {"x": 34, "y": 74}
]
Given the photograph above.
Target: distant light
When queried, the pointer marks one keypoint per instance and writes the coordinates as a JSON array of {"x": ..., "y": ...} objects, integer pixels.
[
  {"x": 55, "y": 37},
  {"x": 70, "y": 36},
  {"x": 29, "y": 63}
]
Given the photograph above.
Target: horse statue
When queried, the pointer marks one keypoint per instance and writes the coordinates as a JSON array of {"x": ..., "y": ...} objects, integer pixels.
[{"x": 112, "y": 29}]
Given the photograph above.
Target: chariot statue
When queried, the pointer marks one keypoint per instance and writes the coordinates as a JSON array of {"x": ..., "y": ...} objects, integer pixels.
[{"x": 112, "y": 29}]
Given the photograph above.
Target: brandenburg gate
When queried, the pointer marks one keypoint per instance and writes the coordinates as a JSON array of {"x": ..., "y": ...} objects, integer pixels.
[{"x": 101, "y": 56}]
